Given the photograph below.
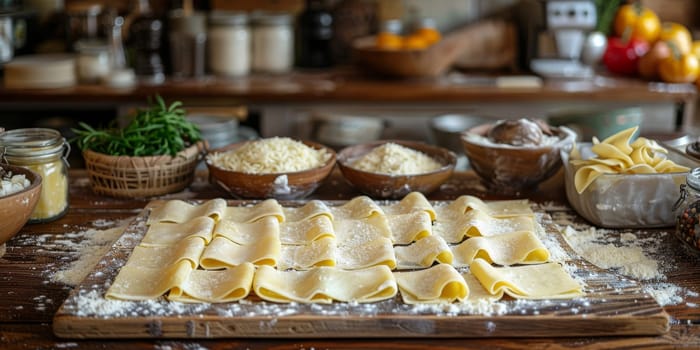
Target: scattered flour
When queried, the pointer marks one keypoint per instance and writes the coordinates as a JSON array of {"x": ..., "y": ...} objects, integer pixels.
[
  {"x": 629, "y": 259},
  {"x": 94, "y": 244},
  {"x": 665, "y": 293}
]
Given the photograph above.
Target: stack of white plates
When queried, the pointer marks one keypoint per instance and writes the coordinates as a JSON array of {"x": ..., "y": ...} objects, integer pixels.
[
  {"x": 43, "y": 71},
  {"x": 221, "y": 131}
]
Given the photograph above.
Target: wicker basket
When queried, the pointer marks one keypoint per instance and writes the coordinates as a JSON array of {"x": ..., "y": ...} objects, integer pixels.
[{"x": 135, "y": 177}]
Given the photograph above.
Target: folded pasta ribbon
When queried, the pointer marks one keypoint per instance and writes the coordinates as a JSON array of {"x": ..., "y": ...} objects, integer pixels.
[{"x": 617, "y": 155}]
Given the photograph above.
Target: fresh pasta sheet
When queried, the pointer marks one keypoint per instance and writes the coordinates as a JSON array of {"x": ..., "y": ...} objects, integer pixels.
[{"x": 464, "y": 250}]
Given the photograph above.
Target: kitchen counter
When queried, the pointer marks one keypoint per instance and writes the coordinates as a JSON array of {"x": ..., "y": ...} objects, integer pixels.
[{"x": 29, "y": 298}]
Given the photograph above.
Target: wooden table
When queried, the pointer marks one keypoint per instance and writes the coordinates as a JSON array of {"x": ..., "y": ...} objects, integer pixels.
[{"x": 28, "y": 299}]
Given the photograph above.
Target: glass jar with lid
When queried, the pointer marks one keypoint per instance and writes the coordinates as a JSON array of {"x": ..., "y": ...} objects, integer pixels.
[
  {"x": 687, "y": 213},
  {"x": 93, "y": 61},
  {"x": 273, "y": 43},
  {"x": 45, "y": 152},
  {"x": 229, "y": 43}
]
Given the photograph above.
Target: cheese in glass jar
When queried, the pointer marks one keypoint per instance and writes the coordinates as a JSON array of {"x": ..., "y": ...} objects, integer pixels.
[{"x": 43, "y": 151}]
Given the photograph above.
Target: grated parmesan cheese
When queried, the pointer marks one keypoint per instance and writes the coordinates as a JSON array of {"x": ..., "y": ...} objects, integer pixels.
[
  {"x": 270, "y": 156},
  {"x": 394, "y": 159}
]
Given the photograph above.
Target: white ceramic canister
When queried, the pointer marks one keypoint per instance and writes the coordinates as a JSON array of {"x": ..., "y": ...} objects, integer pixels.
[
  {"x": 273, "y": 43},
  {"x": 229, "y": 43}
]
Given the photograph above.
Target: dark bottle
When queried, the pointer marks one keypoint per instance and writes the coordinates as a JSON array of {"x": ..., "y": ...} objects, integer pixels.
[
  {"x": 145, "y": 39},
  {"x": 315, "y": 32}
]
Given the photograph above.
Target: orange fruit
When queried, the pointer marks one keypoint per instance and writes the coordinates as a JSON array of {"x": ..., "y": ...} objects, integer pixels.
[
  {"x": 388, "y": 41},
  {"x": 431, "y": 35},
  {"x": 415, "y": 42}
]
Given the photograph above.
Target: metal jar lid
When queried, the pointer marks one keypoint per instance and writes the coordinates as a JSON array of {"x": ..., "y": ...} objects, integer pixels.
[
  {"x": 228, "y": 18},
  {"x": 693, "y": 179},
  {"x": 272, "y": 19},
  {"x": 37, "y": 143}
]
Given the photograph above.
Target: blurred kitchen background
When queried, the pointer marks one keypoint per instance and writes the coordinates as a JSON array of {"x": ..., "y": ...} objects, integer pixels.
[{"x": 120, "y": 44}]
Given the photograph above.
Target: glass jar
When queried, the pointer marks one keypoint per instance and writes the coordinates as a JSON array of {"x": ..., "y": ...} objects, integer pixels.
[
  {"x": 315, "y": 26},
  {"x": 188, "y": 38},
  {"x": 93, "y": 62},
  {"x": 229, "y": 43},
  {"x": 146, "y": 41},
  {"x": 273, "y": 43},
  {"x": 687, "y": 212},
  {"x": 82, "y": 21},
  {"x": 45, "y": 152}
]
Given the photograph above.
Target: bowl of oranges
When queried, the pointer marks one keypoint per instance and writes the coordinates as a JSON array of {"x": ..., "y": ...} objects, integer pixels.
[{"x": 420, "y": 52}]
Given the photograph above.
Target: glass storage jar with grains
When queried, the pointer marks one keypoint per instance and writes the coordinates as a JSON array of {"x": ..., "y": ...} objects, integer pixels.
[
  {"x": 273, "y": 43},
  {"x": 687, "y": 212},
  {"x": 45, "y": 152},
  {"x": 229, "y": 43}
]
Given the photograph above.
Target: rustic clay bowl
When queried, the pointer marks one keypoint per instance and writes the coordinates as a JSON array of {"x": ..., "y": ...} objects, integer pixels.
[
  {"x": 395, "y": 186},
  {"x": 16, "y": 208},
  {"x": 283, "y": 186},
  {"x": 514, "y": 170}
]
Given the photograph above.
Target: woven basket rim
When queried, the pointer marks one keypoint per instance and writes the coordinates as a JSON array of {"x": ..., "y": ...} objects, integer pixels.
[{"x": 190, "y": 151}]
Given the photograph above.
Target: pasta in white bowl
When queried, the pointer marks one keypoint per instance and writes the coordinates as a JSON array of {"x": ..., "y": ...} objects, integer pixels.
[{"x": 625, "y": 183}]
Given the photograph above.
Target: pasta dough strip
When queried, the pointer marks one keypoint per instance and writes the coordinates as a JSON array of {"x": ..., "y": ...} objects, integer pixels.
[
  {"x": 220, "y": 286},
  {"x": 411, "y": 203},
  {"x": 308, "y": 211},
  {"x": 367, "y": 254},
  {"x": 320, "y": 252},
  {"x": 364, "y": 243},
  {"x": 360, "y": 207},
  {"x": 476, "y": 223},
  {"x": 423, "y": 253},
  {"x": 521, "y": 247},
  {"x": 477, "y": 292},
  {"x": 438, "y": 284},
  {"x": 143, "y": 283},
  {"x": 158, "y": 256},
  {"x": 496, "y": 209},
  {"x": 169, "y": 233},
  {"x": 324, "y": 285},
  {"x": 246, "y": 233},
  {"x": 617, "y": 155},
  {"x": 305, "y": 231},
  {"x": 543, "y": 281},
  {"x": 269, "y": 207},
  {"x": 179, "y": 211},
  {"x": 222, "y": 253},
  {"x": 407, "y": 228}
]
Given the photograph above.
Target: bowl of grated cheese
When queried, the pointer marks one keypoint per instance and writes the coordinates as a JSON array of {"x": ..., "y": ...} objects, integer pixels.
[
  {"x": 276, "y": 167},
  {"x": 392, "y": 168},
  {"x": 20, "y": 189}
]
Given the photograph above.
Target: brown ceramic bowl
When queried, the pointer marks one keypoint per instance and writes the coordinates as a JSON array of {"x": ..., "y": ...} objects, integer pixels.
[
  {"x": 16, "y": 208},
  {"x": 378, "y": 185},
  {"x": 514, "y": 170},
  {"x": 283, "y": 186}
]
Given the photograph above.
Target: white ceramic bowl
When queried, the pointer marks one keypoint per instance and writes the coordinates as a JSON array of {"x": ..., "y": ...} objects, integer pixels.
[{"x": 627, "y": 200}]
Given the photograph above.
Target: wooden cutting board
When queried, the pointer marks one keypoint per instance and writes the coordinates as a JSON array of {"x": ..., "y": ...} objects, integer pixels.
[{"x": 613, "y": 305}]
